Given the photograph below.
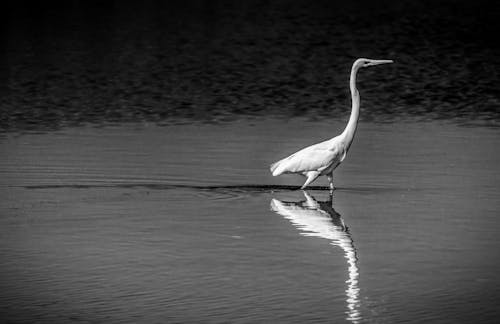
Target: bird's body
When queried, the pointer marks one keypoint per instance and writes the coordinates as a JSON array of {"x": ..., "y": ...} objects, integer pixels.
[
  {"x": 324, "y": 157},
  {"x": 313, "y": 161}
]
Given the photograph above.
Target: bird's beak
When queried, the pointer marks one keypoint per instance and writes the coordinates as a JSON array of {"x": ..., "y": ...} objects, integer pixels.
[{"x": 377, "y": 62}]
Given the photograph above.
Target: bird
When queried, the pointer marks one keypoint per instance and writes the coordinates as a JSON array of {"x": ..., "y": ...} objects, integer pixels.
[{"x": 323, "y": 158}]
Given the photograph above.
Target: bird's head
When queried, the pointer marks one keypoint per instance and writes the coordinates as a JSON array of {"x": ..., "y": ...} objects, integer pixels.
[{"x": 364, "y": 62}]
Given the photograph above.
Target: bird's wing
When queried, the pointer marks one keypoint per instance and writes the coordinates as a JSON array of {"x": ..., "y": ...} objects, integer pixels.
[{"x": 313, "y": 158}]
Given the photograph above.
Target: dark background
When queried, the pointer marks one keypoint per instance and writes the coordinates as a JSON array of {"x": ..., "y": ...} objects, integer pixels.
[{"x": 77, "y": 62}]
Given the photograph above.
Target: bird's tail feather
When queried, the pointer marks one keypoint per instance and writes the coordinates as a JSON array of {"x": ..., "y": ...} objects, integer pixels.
[{"x": 274, "y": 168}]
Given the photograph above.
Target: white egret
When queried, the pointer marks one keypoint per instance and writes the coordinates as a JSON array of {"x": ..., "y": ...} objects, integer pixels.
[{"x": 322, "y": 158}]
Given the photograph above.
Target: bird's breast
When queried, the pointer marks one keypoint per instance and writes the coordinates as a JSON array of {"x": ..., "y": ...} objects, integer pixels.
[{"x": 329, "y": 169}]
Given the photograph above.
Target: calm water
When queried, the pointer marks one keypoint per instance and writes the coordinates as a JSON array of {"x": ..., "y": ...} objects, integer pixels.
[
  {"x": 135, "y": 141},
  {"x": 185, "y": 224}
]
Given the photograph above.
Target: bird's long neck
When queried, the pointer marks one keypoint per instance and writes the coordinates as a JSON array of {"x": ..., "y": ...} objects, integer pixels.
[{"x": 350, "y": 129}]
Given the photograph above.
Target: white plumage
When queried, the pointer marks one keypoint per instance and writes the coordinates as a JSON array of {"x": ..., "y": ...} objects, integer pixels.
[{"x": 322, "y": 158}]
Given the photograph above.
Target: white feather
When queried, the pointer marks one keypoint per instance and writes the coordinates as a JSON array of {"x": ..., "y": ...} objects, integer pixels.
[{"x": 321, "y": 157}]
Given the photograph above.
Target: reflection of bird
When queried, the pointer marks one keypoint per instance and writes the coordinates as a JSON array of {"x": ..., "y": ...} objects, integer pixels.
[
  {"x": 322, "y": 158},
  {"x": 319, "y": 219}
]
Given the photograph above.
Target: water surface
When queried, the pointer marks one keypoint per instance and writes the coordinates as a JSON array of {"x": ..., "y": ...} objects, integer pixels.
[{"x": 185, "y": 224}]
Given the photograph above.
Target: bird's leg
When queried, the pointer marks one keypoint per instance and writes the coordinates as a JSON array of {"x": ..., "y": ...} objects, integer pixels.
[
  {"x": 311, "y": 176},
  {"x": 330, "y": 180}
]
